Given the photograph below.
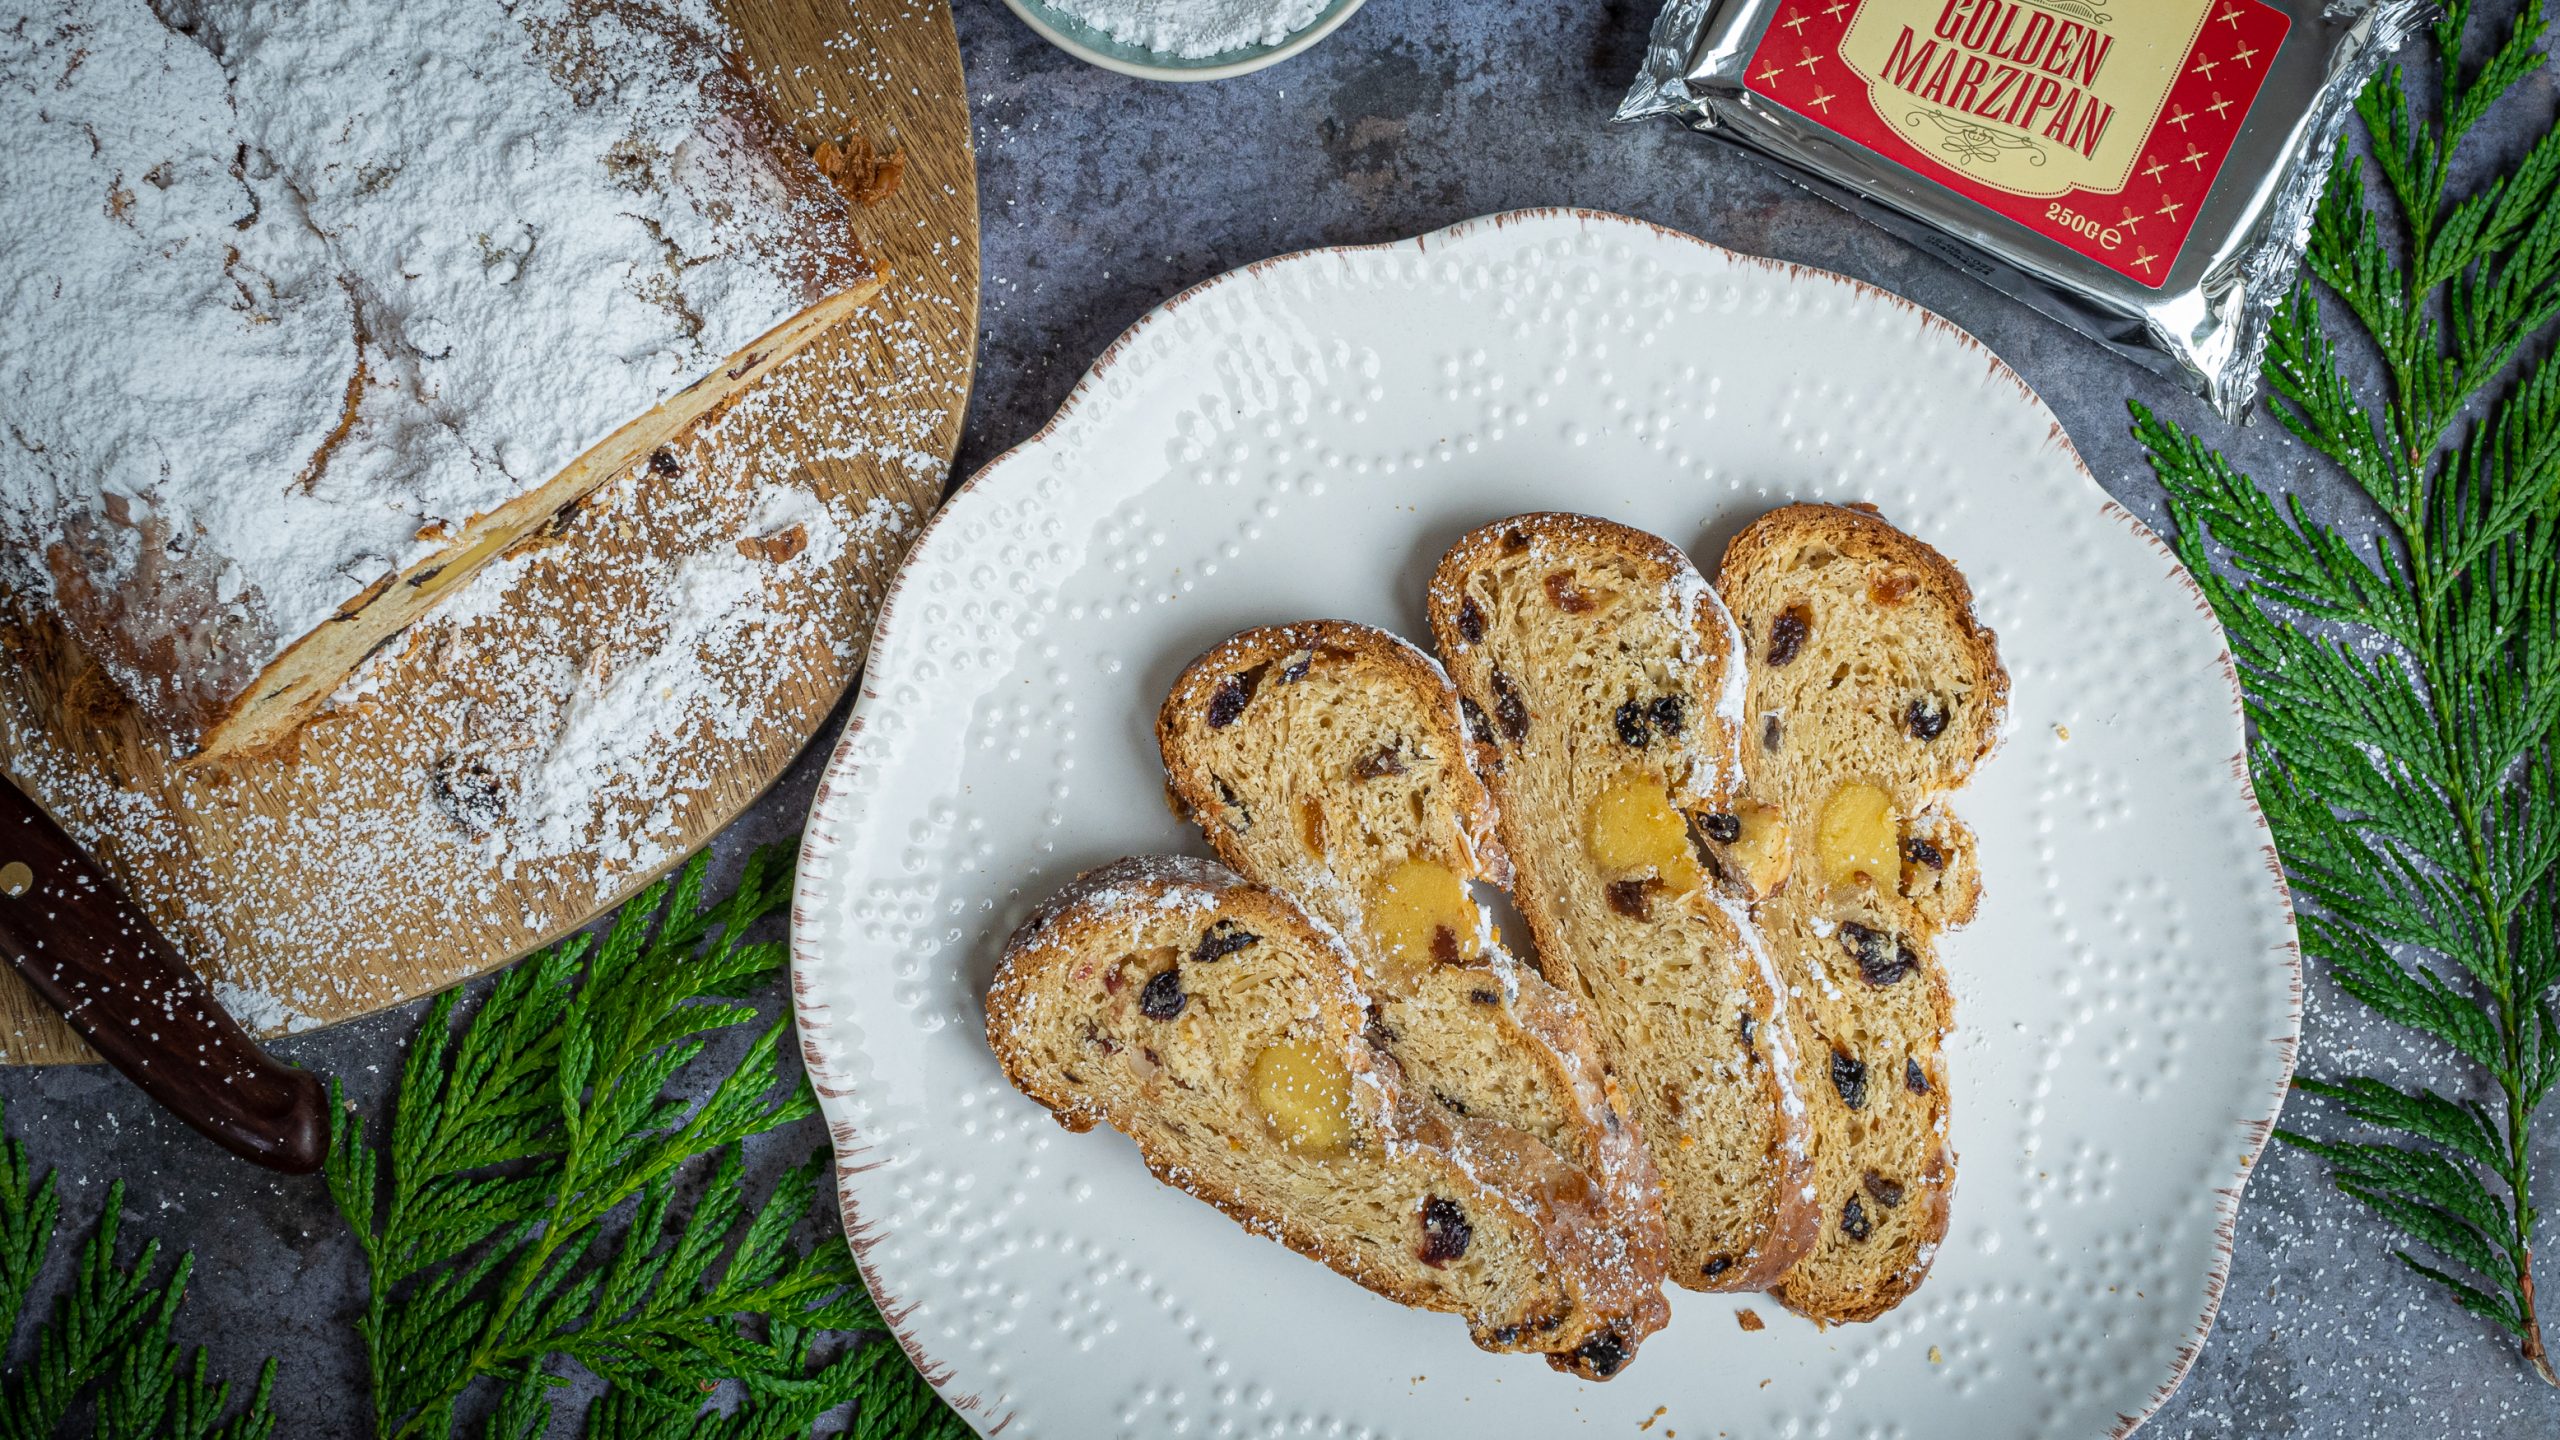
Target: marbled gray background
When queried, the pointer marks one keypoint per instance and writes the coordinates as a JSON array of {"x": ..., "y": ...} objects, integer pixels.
[{"x": 1102, "y": 196}]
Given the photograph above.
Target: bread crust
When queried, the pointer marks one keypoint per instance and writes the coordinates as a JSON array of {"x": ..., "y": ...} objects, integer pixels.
[
  {"x": 1493, "y": 1167},
  {"x": 1786, "y": 1222},
  {"x": 1538, "y": 1027},
  {"x": 1849, "y": 1280}
]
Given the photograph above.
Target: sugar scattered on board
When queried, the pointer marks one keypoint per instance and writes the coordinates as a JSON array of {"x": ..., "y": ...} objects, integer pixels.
[{"x": 1194, "y": 29}]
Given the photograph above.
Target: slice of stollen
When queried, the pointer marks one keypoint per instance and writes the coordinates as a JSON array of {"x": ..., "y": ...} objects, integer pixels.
[
  {"x": 1605, "y": 681},
  {"x": 1873, "y": 693},
  {"x": 1228, "y": 1035},
  {"x": 1328, "y": 761}
]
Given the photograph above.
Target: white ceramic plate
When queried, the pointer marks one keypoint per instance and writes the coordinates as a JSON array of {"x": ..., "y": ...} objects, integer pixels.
[{"x": 1302, "y": 438}]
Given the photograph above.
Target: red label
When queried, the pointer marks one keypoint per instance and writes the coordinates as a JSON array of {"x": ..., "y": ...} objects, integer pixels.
[{"x": 2101, "y": 124}]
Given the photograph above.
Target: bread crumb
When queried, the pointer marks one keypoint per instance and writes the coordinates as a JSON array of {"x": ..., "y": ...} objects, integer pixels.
[
  {"x": 1749, "y": 1319},
  {"x": 1935, "y": 1358},
  {"x": 2061, "y": 732},
  {"x": 1658, "y": 1412}
]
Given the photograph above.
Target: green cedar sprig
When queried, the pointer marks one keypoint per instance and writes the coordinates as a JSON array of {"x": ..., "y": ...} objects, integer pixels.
[
  {"x": 108, "y": 1338},
  {"x": 2404, "y": 697},
  {"x": 528, "y": 1204}
]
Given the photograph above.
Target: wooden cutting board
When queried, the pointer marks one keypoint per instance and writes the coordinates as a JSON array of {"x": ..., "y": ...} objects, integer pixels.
[{"x": 600, "y": 701}]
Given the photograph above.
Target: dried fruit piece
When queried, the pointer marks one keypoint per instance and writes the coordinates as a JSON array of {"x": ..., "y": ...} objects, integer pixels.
[
  {"x": 1788, "y": 633},
  {"x": 1921, "y": 852},
  {"x": 1773, "y": 732},
  {"x": 1750, "y": 1028},
  {"x": 1856, "y": 837},
  {"x": 1632, "y": 898},
  {"x": 1913, "y": 1079},
  {"x": 1634, "y": 831},
  {"x": 1163, "y": 998},
  {"x": 1849, "y": 1077},
  {"x": 1295, "y": 668},
  {"x": 1378, "y": 764},
  {"x": 1222, "y": 940},
  {"x": 1670, "y": 714},
  {"x": 1888, "y": 1193},
  {"x": 1892, "y": 587},
  {"x": 1479, "y": 729},
  {"x": 1757, "y": 857},
  {"x": 1420, "y": 914},
  {"x": 1883, "y": 959},
  {"x": 1484, "y": 996},
  {"x": 1716, "y": 1266},
  {"x": 1722, "y": 829},
  {"x": 1445, "y": 1232},
  {"x": 1853, "y": 1220},
  {"x": 1925, "y": 718},
  {"x": 1603, "y": 1354},
  {"x": 1226, "y": 704},
  {"x": 1304, "y": 1095},
  {"x": 1567, "y": 594},
  {"x": 1509, "y": 710},
  {"x": 1470, "y": 620},
  {"x": 1633, "y": 728}
]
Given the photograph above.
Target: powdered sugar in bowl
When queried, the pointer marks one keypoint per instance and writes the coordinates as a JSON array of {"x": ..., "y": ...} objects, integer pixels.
[{"x": 1183, "y": 39}]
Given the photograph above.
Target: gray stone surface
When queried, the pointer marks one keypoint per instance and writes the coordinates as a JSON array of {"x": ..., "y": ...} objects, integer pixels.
[{"x": 1102, "y": 196}]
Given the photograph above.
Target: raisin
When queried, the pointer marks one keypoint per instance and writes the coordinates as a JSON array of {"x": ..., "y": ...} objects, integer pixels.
[
  {"x": 1716, "y": 1266},
  {"x": 1921, "y": 852},
  {"x": 1849, "y": 1077},
  {"x": 1163, "y": 998},
  {"x": 1912, "y": 1078},
  {"x": 1883, "y": 959},
  {"x": 662, "y": 463},
  {"x": 1787, "y": 634},
  {"x": 1222, "y": 940},
  {"x": 1378, "y": 1032},
  {"x": 1378, "y": 764},
  {"x": 1925, "y": 718},
  {"x": 1445, "y": 1232},
  {"x": 1603, "y": 1354},
  {"x": 1722, "y": 829},
  {"x": 1888, "y": 1193},
  {"x": 1750, "y": 1028},
  {"x": 1633, "y": 729},
  {"x": 1294, "y": 669},
  {"x": 1853, "y": 1220},
  {"x": 1670, "y": 714},
  {"x": 1483, "y": 996},
  {"x": 1892, "y": 588},
  {"x": 1509, "y": 710},
  {"x": 1632, "y": 898},
  {"x": 1567, "y": 595},
  {"x": 1479, "y": 729},
  {"x": 1232, "y": 695},
  {"x": 1444, "y": 945},
  {"x": 1513, "y": 542},
  {"x": 1773, "y": 732},
  {"x": 1470, "y": 621}
]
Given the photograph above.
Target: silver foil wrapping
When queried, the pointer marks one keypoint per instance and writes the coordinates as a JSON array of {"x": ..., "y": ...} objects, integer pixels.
[{"x": 2144, "y": 171}]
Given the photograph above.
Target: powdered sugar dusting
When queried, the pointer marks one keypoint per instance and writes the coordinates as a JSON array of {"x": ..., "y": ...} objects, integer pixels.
[
  {"x": 1195, "y": 29},
  {"x": 384, "y": 266}
]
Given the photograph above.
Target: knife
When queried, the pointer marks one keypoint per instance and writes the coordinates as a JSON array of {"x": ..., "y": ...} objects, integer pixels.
[{"x": 71, "y": 934}]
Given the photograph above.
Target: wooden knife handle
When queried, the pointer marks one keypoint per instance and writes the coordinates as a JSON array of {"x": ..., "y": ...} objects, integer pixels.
[{"x": 74, "y": 937}]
